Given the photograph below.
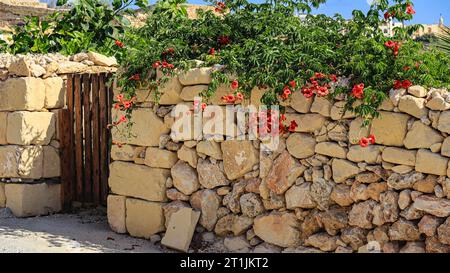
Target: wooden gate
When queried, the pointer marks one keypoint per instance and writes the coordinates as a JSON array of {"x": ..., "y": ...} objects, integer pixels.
[{"x": 85, "y": 139}]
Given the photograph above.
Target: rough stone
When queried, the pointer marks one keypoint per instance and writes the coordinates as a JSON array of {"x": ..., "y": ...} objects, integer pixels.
[
  {"x": 343, "y": 170},
  {"x": 127, "y": 179},
  {"x": 361, "y": 214},
  {"x": 321, "y": 106},
  {"x": 233, "y": 224},
  {"x": 429, "y": 224},
  {"x": 365, "y": 154},
  {"x": 426, "y": 185},
  {"x": 390, "y": 128},
  {"x": 334, "y": 220},
  {"x": 208, "y": 202},
  {"x": 307, "y": 123},
  {"x": 184, "y": 178},
  {"x": 435, "y": 206},
  {"x": 341, "y": 195},
  {"x": 444, "y": 232},
  {"x": 210, "y": 148},
  {"x": 355, "y": 237},
  {"x": 210, "y": 175},
  {"x": 445, "y": 149},
  {"x": 299, "y": 197},
  {"x": 239, "y": 157},
  {"x": 188, "y": 93},
  {"x": 284, "y": 172},
  {"x": 196, "y": 76},
  {"x": 278, "y": 228},
  {"x": 188, "y": 155},
  {"x": 2, "y": 195},
  {"x": 54, "y": 93},
  {"x": 337, "y": 111},
  {"x": 126, "y": 152},
  {"x": 422, "y": 136},
  {"x": 323, "y": 241},
  {"x": 331, "y": 149},
  {"x": 401, "y": 182},
  {"x": 117, "y": 213},
  {"x": 51, "y": 167},
  {"x": 431, "y": 163},
  {"x": 159, "y": 158},
  {"x": 418, "y": 91},
  {"x": 399, "y": 156},
  {"x": 413, "y": 247},
  {"x": 413, "y": 106},
  {"x": 251, "y": 205},
  {"x": 300, "y": 103},
  {"x": 357, "y": 131},
  {"x": 404, "y": 230},
  {"x": 444, "y": 122},
  {"x": 102, "y": 60},
  {"x": 301, "y": 145}
]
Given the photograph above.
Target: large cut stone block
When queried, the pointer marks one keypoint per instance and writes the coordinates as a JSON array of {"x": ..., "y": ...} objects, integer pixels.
[
  {"x": 55, "y": 93},
  {"x": 116, "y": 213},
  {"x": 399, "y": 156},
  {"x": 26, "y": 93},
  {"x": 138, "y": 181},
  {"x": 159, "y": 158},
  {"x": 146, "y": 130},
  {"x": 307, "y": 123},
  {"x": 3, "y": 124},
  {"x": 25, "y": 128},
  {"x": 21, "y": 162},
  {"x": 26, "y": 200},
  {"x": 195, "y": 76},
  {"x": 181, "y": 229},
  {"x": 390, "y": 128},
  {"x": 143, "y": 218},
  {"x": 52, "y": 163},
  {"x": 431, "y": 163}
]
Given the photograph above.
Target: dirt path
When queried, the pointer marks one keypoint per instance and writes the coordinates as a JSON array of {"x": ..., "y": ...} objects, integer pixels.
[{"x": 83, "y": 232}]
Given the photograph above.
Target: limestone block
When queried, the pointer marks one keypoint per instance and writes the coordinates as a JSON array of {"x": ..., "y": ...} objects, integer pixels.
[
  {"x": 126, "y": 152},
  {"x": 143, "y": 218},
  {"x": 307, "y": 123},
  {"x": 181, "y": 229},
  {"x": 256, "y": 95},
  {"x": 413, "y": 106},
  {"x": 431, "y": 163},
  {"x": 51, "y": 162},
  {"x": 343, "y": 170},
  {"x": 301, "y": 145},
  {"x": 55, "y": 93},
  {"x": 390, "y": 128},
  {"x": 2, "y": 195},
  {"x": 445, "y": 149},
  {"x": 357, "y": 131},
  {"x": 422, "y": 136},
  {"x": 301, "y": 104},
  {"x": 444, "y": 122},
  {"x": 101, "y": 60},
  {"x": 188, "y": 93},
  {"x": 278, "y": 228},
  {"x": 22, "y": 94},
  {"x": 418, "y": 91},
  {"x": 365, "y": 154},
  {"x": 25, "y": 128},
  {"x": 195, "y": 76},
  {"x": 3, "y": 125},
  {"x": 159, "y": 158},
  {"x": 399, "y": 156},
  {"x": 117, "y": 213},
  {"x": 239, "y": 157},
  {"x": 146, "y": 130},
  {"x": 138, "y": 181},
  {"x": 338, "y": 109},
  {"x": 26, "y": 200},
  {"x": 210, "y": 148},
  {"x": 321, "y": 106},
  {"x": 331, "y": 149}
]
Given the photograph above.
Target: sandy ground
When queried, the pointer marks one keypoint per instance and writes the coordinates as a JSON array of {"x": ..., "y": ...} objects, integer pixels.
[{"x": 83, "y": 232}]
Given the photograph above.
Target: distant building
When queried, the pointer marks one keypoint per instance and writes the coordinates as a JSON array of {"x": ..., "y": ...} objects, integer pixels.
[
  {"x": 389, "y": 26},
  {"x": 13, "y": 11},
  {"x": 433, "y": 29}
]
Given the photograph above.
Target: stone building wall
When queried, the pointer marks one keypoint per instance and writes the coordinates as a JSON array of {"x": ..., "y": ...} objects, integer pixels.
[
  {"x": 32, "y": 92},
  {"x": 319, "y": 191}
]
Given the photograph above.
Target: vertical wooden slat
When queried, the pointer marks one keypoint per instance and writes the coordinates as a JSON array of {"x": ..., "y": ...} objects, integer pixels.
[
  {"x": 104, "y": 138},
  {"x": 78, "y": 137},
  {"x": 95, "y": 139},
  {"x": 69, "y": 178},
  {"x": 88, "y": 196}
]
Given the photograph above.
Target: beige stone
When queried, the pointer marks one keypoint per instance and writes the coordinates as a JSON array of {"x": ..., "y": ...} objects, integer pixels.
[
  {"x": 181, "y": 229},
  {"x": 387, "y": 105},
  {"x": 138, "y": 181},
  {"x": 185, "y": 125},
  {"x": 126, "y": 152},
  {"x": 102, "y": 60},
  {"x": 337, "y": 111},
  {"x": 55, "y": 93},
  {"x": 364, "y": 154},
  {"x": 3, "y": 125},
  {"x": 195, "y": 76},
  {"x": 210, "y": 175},
  {"x": 2, "y": 195},
  {"x": 222, "y": 90},
  {"x": 188, "y": 155},
  {"x": 69, "y": 67},
  {"x": 300, "y": 197},
  {"x": 210, "y": 148},
  {"x": 431, "y": 163},
  {"x": 444, "y": 122},
  {"x": 25, "y": 128},
  {"x": 413, "y": 106},
  {"x": 307, "y": 123},
  {"x": 321, "y": 106},
  {"x": 21, "y": 67},
  {"x": 278, "y": 228},
  {"x": 418, "y": 91},
  {"x": 143, "y": 218},
  {"x": 239, "y": 157},
  {"x": 300, "y": 103},
  {"x": 399, "y": 156},
  {"x": 301, "y": 145},
  {"x": 422, "y": 136},
  {"x": 170, "y": 92},
  {"x": 146, "y": 130},
  {"x": 256, "y": 95},
  {"x": 331, "y": 149},
  {"x": 184, "y": 178},
  {"x": 117, "y": 213},
  {"x": 22, "y": 94},
  {"x": 390, "y": 128},
  {"x": 159, "y": 158},
  {"x": 23, "y": 162},
  {"x": 343, "y": 170},
  {"x": 283, "y": 174},
  {"x": 445, "y": 149},
  {"x": 51, "y": 162},
  {"x": 26, "y": 200},
  {"x": 430, "y": 204},
  {"x": 188, "y": 93},
  {"x": 357, "y": 131},
  {"x": 208, "y": 203}
]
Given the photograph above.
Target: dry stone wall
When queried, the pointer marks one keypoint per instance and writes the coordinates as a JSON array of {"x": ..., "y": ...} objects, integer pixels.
[
  {"x": 32, "y": 92},
  {"x": 319, "y": 191}
]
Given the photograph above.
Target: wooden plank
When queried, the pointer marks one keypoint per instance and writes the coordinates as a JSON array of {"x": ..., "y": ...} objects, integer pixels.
[
  {"x": 78, "y": 137},
  {"x": 69, "y": 182},
  {"x": 95, "y": 139},
  {"x": 104, "y": 138},
  {"x": 88, "y": 196},
  {"x": 66, "y": 158}
]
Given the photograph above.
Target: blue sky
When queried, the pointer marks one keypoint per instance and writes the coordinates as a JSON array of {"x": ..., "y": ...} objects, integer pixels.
[{"x": 428, "y": 11}]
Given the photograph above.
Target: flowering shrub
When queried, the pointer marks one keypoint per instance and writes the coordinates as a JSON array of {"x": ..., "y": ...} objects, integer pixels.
[{"x": 267, "y": 46}]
